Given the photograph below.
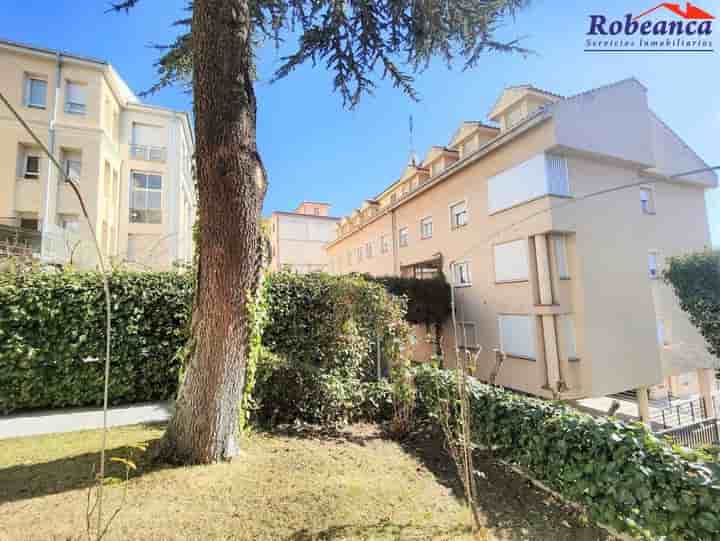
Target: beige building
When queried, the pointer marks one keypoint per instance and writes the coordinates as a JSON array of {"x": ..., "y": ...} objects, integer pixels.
[
  {"x": 567, "y": 285},
  {"x": 298, "y": 238},
  {"x": 133, "y": 163}
]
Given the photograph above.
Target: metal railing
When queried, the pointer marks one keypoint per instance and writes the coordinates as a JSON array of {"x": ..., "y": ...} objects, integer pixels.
[
  {"x": 148, "y": 153},
  {"x": 697, "y": 434}
]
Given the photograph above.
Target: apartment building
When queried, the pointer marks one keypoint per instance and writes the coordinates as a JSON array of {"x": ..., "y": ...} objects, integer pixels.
[
  {"x": 298, "y": 238},
  {"x": 565, "y": 283},
  {"x": 132, "y": 162}
]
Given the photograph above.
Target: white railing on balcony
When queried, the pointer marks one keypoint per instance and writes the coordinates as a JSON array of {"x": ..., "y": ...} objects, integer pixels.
[{"x": 148, "y": 153}]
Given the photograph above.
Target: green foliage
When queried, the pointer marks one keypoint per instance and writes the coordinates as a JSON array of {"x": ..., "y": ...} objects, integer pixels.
[
  {"x": 428, "y": 300},
  {"x": 320, "y": 347},
  {"x": 52, "y": 323},
  {"x": 696, "y": 281},
  {"x": 621, "y": 473}
]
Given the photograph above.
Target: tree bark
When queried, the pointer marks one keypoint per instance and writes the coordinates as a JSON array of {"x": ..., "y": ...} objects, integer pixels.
[{"x": 231, "y": 188}]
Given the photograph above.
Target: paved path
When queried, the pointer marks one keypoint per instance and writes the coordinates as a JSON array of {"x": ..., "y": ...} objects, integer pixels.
[{"x": 70, "y": 420}]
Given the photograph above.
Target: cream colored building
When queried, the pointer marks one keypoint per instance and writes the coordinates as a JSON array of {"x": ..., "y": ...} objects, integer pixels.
[
  {"x": 564, "y": 282},
  {"x": 133, "y": 163},
  {"x": 298, "y": 238}
]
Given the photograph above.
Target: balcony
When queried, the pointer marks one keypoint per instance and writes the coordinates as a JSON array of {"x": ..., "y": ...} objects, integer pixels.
[
  {"x": 148, "y": 153},
  {"x": 21, "y": 238}
]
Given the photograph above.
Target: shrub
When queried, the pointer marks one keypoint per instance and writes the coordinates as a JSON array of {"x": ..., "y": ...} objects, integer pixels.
[
  {"x": 621, "y": 473},
  {"x": 52, "y": 323},
  {"x": 428, "y": 301},
  {"x": 696, "y": 281},
  {"x": 321, "y": 345}
]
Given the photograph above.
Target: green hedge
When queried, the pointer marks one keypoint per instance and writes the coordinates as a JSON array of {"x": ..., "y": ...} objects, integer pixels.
[
  {"x": 320, "y": 347},
  {"x": 696, "y": 281},
  {"x": 52, "y": 322},
  {"x": 428, "y": 301},
  {"x": 621, "y": 473}
]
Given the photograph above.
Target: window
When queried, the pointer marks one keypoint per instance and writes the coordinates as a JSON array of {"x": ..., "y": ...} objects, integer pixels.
[
  {"x": 393, "y": 198},
  {"x": 132, "y": 248},
  {"x": 458, "y": 215},
  {"x": 72, "y": 164},
  {"x": 75, "y": 98},
  {"x": 566, "y": 323},
  {"x": 436, "y": 168},
  {"x": 517, "y": 335},
  {"x": 35, "y": 92},
  {"x": 467, "y": 336},
  {"x": 384, "y": 244},
  {"x": 358, "y": 254},
  {"x": 560, "y": 250},
  {"x": 32, "y": 166},
  {"x": 349, "y": 257},
  {"x": 70, "y": 223},
  {"x": 461, "y": 274},
  {"x": 557, "y": 174},
  {"x": 511, "y": 261},
  {"x": 647, "y": 200},
  {"x": 316, "y": 211},
  {"x": 148, "y": 142},
  {"x": 403, "y": 237},
  {"x": 426, "y": 228},
  {"x": 30, "y": 224},
  {"x": 469, "y": 146},
  {"x": 146, "y": 198},
  {"x": 368, "y": 250},
  {"x": 513, "y": 117},
  {"x": 661, "y": 338},
  {"x": 653, "y": 265}
]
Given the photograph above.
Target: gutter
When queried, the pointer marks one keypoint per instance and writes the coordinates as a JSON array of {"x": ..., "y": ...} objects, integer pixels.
[{"x": 538, "y": 117}]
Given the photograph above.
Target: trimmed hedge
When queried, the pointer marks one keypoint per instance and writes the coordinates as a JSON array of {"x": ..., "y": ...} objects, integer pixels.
[
  {"x": 320, "y": 346},
  {"x": 621, "y": 473},
  {"x": 696, "y": 281},
  {"x": 51, "y": 323},
  {"x": 313, "y": 350}
]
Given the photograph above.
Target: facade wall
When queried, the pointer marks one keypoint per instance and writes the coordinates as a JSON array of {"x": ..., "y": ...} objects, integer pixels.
[
  {"x": 595, "y": 326},
  {"x": 298, "y": 241},
  {"x": 99, "y": 139}
]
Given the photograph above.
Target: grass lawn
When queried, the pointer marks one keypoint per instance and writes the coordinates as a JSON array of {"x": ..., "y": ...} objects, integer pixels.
[{"x": 287, "y": 486}]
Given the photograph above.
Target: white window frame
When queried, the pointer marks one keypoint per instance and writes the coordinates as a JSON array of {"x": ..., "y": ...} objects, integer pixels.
[
  {"x": 29, "y": 79},
  {"x": 384, "y": 244},
  {"x": 403, "y": 237},
  {"x": 565, "y": 191},
  {"x": 561, "y": 259},
  {"x": 426, "y": 221},
  {"x": 526, "y": 254},
  {"x": 653, "y": 264},
  {"x": 648, "y": 209},
  {"x": 472, "y": 344},
  {"x": 451, "y": 206},
  {"x": 75, "y": 108},
  {"x": 31, "y": 175},
  {"x": 458, "y": 273},
  {"x": 531, "y": 356},
  {"x": 436, "y": 168},
  {"x": 569, "y": 332},
  {"x": 368, "y": 250},
  {"x": 359, "y": 254},
  {"x": 147, "y": 191},
  {"x": 662, "y": 334}
]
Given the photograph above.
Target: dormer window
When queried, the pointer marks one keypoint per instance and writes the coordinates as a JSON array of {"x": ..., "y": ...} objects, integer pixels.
[{"x": 436, "y": 168}]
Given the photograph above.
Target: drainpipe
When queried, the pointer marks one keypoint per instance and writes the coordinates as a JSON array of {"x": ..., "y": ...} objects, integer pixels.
[{"x": 50, "y": 203}]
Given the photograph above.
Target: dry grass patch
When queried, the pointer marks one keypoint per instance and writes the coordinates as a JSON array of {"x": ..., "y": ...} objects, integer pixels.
[{"x": 286, "y": 486}]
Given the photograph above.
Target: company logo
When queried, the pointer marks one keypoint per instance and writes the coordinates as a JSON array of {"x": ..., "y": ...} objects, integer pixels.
[{"x": 664, "y": 28}]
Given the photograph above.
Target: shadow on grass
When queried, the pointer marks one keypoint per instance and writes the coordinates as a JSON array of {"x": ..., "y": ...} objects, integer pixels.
[
  {"x": 359, "y": 434},
  {"x": 69, "y": 473},
  {"x": 381, "y": 530},
  {"x": 505, "y": 500}
]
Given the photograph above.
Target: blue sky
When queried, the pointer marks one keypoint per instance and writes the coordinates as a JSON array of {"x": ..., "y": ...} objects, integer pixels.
[{"x": 314, "y": 149}]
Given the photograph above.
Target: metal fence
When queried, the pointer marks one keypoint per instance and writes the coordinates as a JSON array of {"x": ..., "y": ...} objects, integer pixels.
[{"x": 697, "y": 434}]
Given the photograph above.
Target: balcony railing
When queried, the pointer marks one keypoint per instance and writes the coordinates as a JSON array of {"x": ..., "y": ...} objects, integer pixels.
[
  {"x": 148, "y": 153},
  {"x": 52, "y": 245}
]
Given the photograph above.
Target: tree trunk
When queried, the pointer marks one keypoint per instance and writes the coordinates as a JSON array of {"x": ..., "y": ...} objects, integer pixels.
[{"x": 231, "y": 188}]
